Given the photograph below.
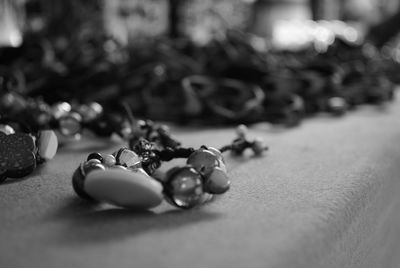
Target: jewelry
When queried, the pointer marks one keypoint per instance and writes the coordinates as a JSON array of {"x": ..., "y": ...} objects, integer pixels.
[
  {"x": 229, "y": 99},
  {"x": 225, "y": 81},
  {"x": 127, "y": 177},
  {"x": 68, "y": 120},
  {"x": 21, "y": 152}
]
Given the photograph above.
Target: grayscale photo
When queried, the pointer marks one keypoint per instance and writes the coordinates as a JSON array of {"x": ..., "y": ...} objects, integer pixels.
[{"x": 200, "y": 133}]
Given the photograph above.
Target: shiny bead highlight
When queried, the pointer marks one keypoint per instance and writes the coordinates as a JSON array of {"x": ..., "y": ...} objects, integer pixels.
[{"x": 184, "y": 188}]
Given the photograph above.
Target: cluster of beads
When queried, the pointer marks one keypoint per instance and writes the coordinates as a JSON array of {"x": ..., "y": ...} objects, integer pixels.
[
  {"x": 68, "y": 119},
  {"x": 203, "y": 175},
  {"x": 117, "y": 179},
  {"x": 126, "y": 178},
  {"x": 21, "y": 152}
]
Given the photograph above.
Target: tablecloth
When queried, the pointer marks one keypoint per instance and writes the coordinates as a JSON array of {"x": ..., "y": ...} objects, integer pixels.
[{"x": 326, "y": 194}]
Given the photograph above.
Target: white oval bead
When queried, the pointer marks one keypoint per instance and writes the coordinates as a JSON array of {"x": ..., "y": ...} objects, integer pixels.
[
  {"x": 124, "y": 188},
  {"x": 47, "y": 144}
]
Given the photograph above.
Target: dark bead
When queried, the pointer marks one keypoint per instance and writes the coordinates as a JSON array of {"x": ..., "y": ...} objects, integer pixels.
[
  {"x": 78, "y": 184},
  {"x": 103, "y": 126},
  {"x": 337, "y": 105},
  {"x": 204, "y": 161},
  {"x": 95, "y": 156},
  {"x": 70, "y": 125},
  {"x": 92, "y": 164}
]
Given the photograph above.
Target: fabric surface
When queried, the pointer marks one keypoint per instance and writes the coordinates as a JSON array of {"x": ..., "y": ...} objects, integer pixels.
[{"x": 325, "y": 195}]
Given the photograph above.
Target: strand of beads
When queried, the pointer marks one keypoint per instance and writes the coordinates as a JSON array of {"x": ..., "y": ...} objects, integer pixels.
[
  {"x": 67, "y": 119},
  {"x": 127, "y": 178},
  {"x": 205, "y": 172}
]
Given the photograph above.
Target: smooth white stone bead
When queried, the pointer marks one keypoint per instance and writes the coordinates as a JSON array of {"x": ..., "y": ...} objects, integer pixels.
[
  {"x": 48, "y": 144},
  {"x": 218, "y": 182},
  {"x": 124, "y": 188}
]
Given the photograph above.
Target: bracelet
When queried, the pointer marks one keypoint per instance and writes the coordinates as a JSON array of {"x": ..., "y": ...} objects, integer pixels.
[{"x": 127, "y": 178}]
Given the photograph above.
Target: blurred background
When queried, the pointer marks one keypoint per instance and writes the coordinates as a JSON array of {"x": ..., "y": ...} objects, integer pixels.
[
  {"x": 160, "y": 56},
  {"x": 130, "y": 19}
]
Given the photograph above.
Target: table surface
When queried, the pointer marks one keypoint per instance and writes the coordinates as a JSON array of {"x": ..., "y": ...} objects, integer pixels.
[{"x": 325, "y": 195}]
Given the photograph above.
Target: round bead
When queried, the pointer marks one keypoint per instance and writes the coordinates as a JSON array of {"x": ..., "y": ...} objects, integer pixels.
[
  {"x": 47, "y": 144},
  {"x": 184, "y": 187},
  {"x": 95, "y": 156},
  {"x": 218, "y": 182},
  {"x": 93, "y": 161},
  {"x": 43, "y": 118},
  {"x": 91, "y": 165},
  {"x": 109, "y": 160},
  {"x": 124, "y": 188},
  {"x": 127, "y": 158},
  {"x": 78, "y": 184},
  {"x": 241, "y": 131},
  {"x": 90, "y": 111},
  {"x": 6, "y": 129},
  {"x": 337, "y": 105},
  {"x": 204, "y": 161},
  {"x": 70, "y": 124},
  {"x": 258, "y": 146},
  {"x": 60, "y": 109},
  {"x": 126, "y": 132}
]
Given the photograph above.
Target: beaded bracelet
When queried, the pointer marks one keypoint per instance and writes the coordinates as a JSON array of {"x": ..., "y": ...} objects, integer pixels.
[{"x": 127, "y": 178}]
